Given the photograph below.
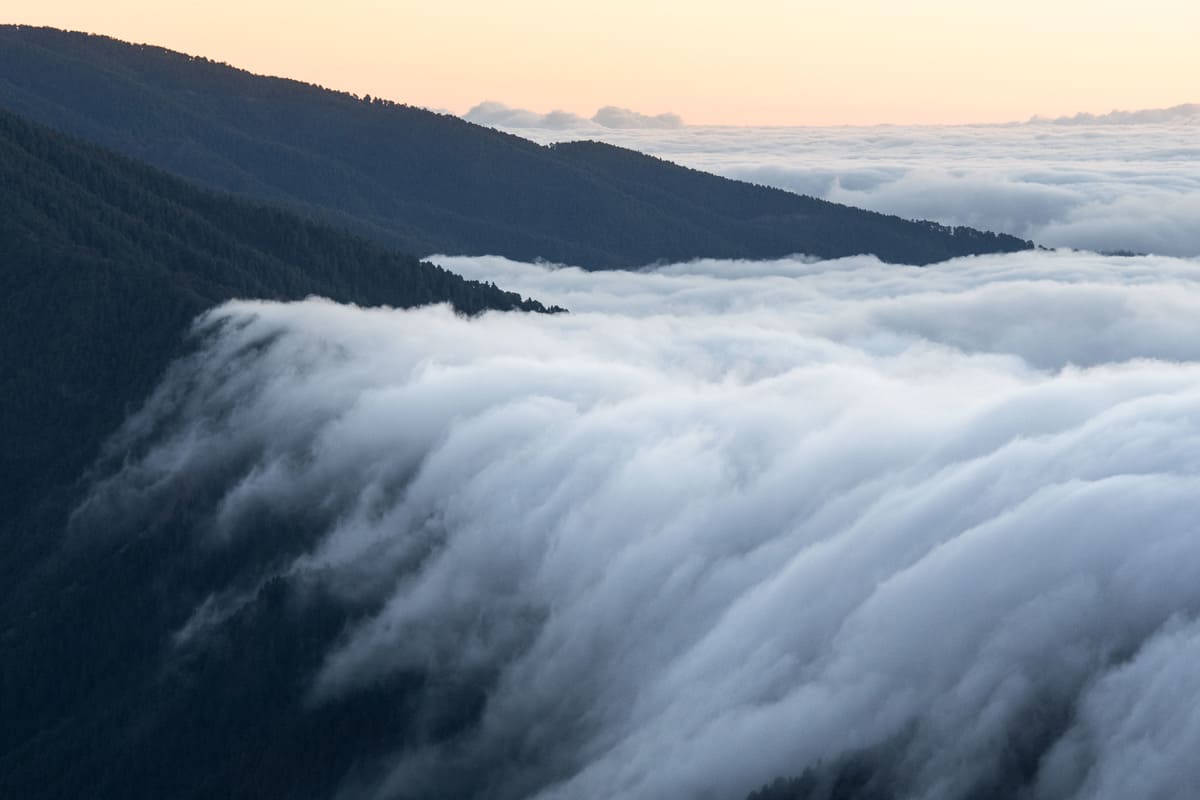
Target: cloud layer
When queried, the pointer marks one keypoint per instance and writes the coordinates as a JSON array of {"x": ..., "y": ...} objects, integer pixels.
[
  {"x": 498, "y": 115},
  {"x": 729, "y": 520},
  {"x": 1090, "y": 184}
]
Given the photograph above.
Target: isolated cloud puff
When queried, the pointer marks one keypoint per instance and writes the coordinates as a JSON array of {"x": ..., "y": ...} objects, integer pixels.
[
  {"x": 729, "y": 520},
  {"x": 1093, "y": 185},
  {"x": 1185, "y": 112},
  {"x": 614, "y": 117},
  {"x": 498, "y": 115}
]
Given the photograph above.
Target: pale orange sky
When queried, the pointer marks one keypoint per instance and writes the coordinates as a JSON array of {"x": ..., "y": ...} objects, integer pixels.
[{"x": 769, "y": 62}]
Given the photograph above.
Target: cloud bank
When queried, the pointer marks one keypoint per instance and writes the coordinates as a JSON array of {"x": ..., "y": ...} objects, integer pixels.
[
  {"x": 498, "y": 115},
  {"x": 1089, "y": 184},
  {"x": 729, "y": 520}
]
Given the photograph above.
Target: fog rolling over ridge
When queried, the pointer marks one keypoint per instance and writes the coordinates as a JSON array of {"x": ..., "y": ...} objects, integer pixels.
[
  {"x": 1126, "y": 181},
  {"x": 723, "y": 522}
]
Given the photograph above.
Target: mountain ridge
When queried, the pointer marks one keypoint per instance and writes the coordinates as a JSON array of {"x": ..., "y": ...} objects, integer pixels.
[{"x": 427, "y": 182}]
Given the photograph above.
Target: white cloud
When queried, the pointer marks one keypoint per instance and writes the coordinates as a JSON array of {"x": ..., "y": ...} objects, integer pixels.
[
  {"x": 498, "y": 115},
  {"x": 729, "y": 519},
  {"x": 1090, "y": 185}
]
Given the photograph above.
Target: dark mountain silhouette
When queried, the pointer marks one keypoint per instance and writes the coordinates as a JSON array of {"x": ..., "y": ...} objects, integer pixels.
[{"x": 427, "y": 182}]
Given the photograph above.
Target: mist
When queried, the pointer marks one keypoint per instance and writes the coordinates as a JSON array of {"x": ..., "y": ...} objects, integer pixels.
[
  {"x": 727, "y": 521},
  {"x": 1126, "y": 181}
]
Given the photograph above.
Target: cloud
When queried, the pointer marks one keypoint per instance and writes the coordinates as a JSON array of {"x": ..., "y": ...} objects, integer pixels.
[
  {"x": 1090, "y": 185},
  {"x": 498, "y": 115},
  {"x": 729, "y": 520},
  {"x": 1185, "y": 112}
]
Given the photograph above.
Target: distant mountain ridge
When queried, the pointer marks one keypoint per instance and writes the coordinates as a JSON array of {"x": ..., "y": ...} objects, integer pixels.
[{"x": 427, "y": 182}]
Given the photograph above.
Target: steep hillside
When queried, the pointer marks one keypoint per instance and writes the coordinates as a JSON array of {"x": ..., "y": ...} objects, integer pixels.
[{"x": 106, "y": 261}]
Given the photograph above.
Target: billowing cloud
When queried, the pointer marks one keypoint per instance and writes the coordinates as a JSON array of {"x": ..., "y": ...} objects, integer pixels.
[
  {"x": 1090, "y": 184},
  {"x": 729, "y": 520},
  {"x": 498, "y": 115}
]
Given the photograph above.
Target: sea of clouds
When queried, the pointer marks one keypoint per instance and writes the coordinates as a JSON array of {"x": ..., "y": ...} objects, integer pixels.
[
  {"x": 1126, "y": 181},
  {"x": 729, "y": 520}
]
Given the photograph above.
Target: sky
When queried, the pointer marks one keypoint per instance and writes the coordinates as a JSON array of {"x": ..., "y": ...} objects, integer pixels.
[{"x": 759, "y": 62}]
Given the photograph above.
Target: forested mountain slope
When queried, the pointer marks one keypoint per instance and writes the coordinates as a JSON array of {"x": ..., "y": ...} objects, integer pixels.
[
  {"x": 103, "y": 264},
  {"x": 429, "y": 182}
]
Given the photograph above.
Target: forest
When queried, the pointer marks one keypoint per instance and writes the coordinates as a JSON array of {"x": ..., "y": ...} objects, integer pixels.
[{"x": 105, "y": 264}]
